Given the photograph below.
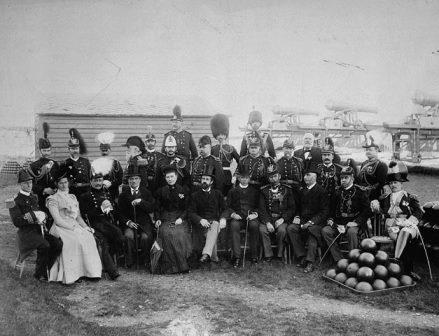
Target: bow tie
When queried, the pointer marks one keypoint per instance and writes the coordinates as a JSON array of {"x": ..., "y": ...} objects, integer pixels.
[{"x": 134, "y": 191}]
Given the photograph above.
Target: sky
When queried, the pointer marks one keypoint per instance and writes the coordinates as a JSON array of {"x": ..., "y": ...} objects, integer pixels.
[{"x": 237, "y": 55}]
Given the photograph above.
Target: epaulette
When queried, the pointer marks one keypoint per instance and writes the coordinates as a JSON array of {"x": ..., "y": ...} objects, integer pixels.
[{"x": 264, "y": 187}]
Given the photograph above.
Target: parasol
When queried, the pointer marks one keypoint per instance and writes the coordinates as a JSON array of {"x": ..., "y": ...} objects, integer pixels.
[{"x": 155, "y": 253}]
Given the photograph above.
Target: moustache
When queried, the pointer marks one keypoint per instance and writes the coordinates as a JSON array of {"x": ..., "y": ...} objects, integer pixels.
[{"x": 204, "y": 185}]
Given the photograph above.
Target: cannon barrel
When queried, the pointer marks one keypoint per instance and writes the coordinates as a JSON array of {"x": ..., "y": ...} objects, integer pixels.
[
  {"x": 278, "y": 110},
  {"x": 424, "y": 99},
  {"x": 340, "y": 106}
]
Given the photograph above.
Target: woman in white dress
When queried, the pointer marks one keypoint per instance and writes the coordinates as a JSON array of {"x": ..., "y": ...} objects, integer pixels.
[{"x": 79, "y": 256}]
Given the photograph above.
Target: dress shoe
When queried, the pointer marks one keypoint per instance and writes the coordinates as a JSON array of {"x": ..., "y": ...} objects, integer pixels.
[
  {"x": 309, "y": 268},
  {"x": 204, "y": 258},
  {"x": 41, "y": 277},
  {"x": 236, "y": 263},
  {"x": 301, "y": 263}
]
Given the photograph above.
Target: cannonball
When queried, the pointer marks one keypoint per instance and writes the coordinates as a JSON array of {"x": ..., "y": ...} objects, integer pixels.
[
  {"x": 341, "y": 277},
  {"x": 342, "y": 264},
  {"x": 331, "y": 273},
  {"x": 364, "y": 287},
  {"x": 368, "y": 245},
  {"x": 352, "y": 269},
  {"x": 381, "y": 257},
  {"x": 406, "y": 280},
  {"x": 366, "y": 259},
  {"x": 379, "y": 284},
  {"x": 365, "y": 274},
  {"x": 381, "y": 272},
  {"x": 354, "y": 255},
  {"x": 394, "y": 270},
  {"x": 351, "y": 282},
  {"x": 393, "y": 282}
]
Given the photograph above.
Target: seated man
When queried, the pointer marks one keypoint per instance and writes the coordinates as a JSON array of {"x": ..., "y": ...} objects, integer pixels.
[
  {"x": 276, "y": 209},
  {"x": 136, "y": 208},
  {"x": 402, "y": 212},
  {"x": 313, "y": 210},
  {"x": 97, "y": 207},
  {"x": 242, "y": 205},
  {"x": 350, "y": 212},
  {"x": 205, "y": 213},
  {"x": 26, "y": 215}
]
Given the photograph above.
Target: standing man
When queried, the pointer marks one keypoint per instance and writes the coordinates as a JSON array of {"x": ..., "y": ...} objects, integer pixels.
[
  {"x": 253, "y": 125},
  {"x": 242, "y": 209},
  {"x": 349, "y": 213},
  {"x": 110, "y": 167},
  {"x": 44, "y": 171},
  {"x": 206, "y": 161},
  {"x": 373, "y": 172},
  {"x": 255, "y": 164},
  {"x": 153, "y": 158},
  {"x": 290, "y": 168},
  {"x": 136, "y": 210},
  {"x": 135, "y": 160},
  {"x": 97, "y": 206},
  {"x": 205, "y": 212},
  {"x": 329, "y": 173},
  {"x": 78, "y": 168},
  {"x": 308, "y": 224},
  {"x": 276, "y": 209},
  {"x": 171, "y": 159},
  {"x": 185, "y": 142},
  {"x": 310, "y": 154},
  {"x": 219, "y": 124},
  {"x": 26, "y": 215}
]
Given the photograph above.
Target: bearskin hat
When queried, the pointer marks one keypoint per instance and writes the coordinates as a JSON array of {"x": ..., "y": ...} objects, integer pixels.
[
  {"x": 76, "y": 140},
  {"x": 176, "y": 113},
  {"x": 44, "y": 143},
  {"x": 219, "y": 124},
  {"x": 255, "y": 116}
]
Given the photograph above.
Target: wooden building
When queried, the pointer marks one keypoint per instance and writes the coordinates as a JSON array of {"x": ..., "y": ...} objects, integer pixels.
[{"x": 122, "y": 117}]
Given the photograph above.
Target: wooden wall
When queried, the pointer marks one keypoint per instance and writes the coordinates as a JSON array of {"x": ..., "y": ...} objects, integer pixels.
[{"x": 122, "y": 126}]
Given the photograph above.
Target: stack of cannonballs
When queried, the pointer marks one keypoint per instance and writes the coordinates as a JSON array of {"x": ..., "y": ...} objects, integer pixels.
[{"x": 368, "y": 269}]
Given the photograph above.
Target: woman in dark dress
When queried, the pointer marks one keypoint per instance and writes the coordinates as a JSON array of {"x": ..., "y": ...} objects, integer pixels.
[{"x": 173, "y": 229}]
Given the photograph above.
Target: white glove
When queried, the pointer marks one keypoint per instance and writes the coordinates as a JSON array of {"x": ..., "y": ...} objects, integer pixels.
[
  {"x": 41, "y": 216},
  {"x": 270, "y": 227},
  {"x": 234, "y": 215},
  {"x": 178, "y": 221},
  {"x": 222, "y": 223},
  {"x": 375, "y": 206},
  {"x": 107, "y": 184},
  {"x": 252, "y": 216},
  {"x": 278, "y": 222}
]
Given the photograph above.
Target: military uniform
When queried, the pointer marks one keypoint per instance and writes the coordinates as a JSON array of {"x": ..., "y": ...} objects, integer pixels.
[
  {"x": 275, "y": 202},
  {"x": 185, "y": 144},
  {"x": 179, "y": 163},
  {"x": 256, "y": 167},
  {"x": 152, "y": 169},
  {"x": 372, "y": 177},
  {"x": 209, "y": 163},
  {"x": 78, "y": 172},
  {"x": 266, "y": 143},
  {"x": 226, "y": 153},
  {"x": 109, "y": 235},
  {"x": 44, "y": 171}
]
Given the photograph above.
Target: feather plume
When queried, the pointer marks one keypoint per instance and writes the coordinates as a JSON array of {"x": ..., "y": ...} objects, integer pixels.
[
  {"x": 102, "y": 165},
  {"x": 46, "y": 129},
  {"x": 74, "y": 133},
  {"x": 105, "y": 138},
  {"x": 392, "y": 164}
]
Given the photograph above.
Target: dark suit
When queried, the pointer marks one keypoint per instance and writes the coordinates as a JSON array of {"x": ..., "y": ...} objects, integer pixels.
[
  {"x": 314, "y": 206},
  {"x": 140, "y": 215},
  {"x": 273, "y": 205},
  {"x": 109, "y": 235},
  {"x": 30, "y": 237},
  {"x": 154, "y": 175},
  {"x": 350, "y": 205},
  {"x": 243, "y": 201},
  {"x": 140, "y": 164},
  {"x": 312, "y": 159}
]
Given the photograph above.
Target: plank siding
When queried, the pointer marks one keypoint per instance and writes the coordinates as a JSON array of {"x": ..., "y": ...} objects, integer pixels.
[{"x": 122, "y": 126}]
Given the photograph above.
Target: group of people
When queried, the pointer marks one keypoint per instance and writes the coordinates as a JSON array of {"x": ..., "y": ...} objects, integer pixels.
[{"x": 79, "y": 214}]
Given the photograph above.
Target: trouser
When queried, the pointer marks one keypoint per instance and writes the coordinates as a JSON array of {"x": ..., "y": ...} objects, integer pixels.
[
  {"x": 49, "y": 249},
  {"x": 104, "y": 249},
  {"x": 113, "y": 235},
  {"x": 297, "y": 236},
  {"x": 407, "y": 256},
  {"x": 280, "y": 233},
  {"x": 144, "y": 241},
  {"x": 253, "y": 236},
  {"x": 329, "y": 233},
  {"x": 211, "y": 235}
]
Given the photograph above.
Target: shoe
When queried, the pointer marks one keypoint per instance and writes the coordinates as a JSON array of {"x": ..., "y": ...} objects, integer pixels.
[
  {"x": 205, "y": 258},
  {"x": 254, "y": 260},
  {"x": 114, "y": 276},
  {"x": 41, "y": 277},
  {"x": 309, "y": 268},
  {"x": 301, "y": 263},
  {"x": 236, "y": 263}
]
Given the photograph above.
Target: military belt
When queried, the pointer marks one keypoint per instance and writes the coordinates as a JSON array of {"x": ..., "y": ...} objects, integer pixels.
[{"x": 227, "y": 168}]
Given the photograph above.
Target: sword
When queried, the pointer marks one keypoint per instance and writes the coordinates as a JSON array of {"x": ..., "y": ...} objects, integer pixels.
[{"x": 332, "y": 243}]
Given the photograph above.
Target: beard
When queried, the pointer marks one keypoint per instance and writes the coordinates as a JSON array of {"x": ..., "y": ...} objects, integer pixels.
[{"x": 205, "y": 186}]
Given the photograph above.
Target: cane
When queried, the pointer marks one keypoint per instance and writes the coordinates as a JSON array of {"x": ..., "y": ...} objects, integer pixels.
[
  {"x": 42, "y": 234},
  {"x": 245, "y": 239},
  {"x": 136, "y": 244},
  {"x": 332, "y": 243}
]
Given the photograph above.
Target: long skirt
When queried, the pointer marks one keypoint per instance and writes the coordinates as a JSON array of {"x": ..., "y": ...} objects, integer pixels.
[
  {"x": 79, "y": 256},
  {"x": 176, "y": 243}
]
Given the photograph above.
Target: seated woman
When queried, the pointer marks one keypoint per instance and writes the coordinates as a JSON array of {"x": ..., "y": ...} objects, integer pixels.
[
  {"x": 402, "y": 213},
  {"x": 79, "y": 256},
  {"x": 173, "y": 230}
]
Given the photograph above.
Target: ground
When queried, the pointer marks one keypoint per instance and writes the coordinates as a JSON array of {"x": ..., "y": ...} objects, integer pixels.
[{"x": 266, "y": 299}]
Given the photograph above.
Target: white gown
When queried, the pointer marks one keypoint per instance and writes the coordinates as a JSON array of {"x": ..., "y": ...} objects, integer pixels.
[{"x": 79, "y": 256}]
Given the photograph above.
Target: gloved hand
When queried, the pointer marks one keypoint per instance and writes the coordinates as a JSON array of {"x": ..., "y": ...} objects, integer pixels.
[
  {"x": 252, "y": 216},
  {"x": 270, "y": 227}
]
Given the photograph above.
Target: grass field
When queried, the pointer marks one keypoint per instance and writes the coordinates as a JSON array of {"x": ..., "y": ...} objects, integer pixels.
[{"x": 265, "y": 299}]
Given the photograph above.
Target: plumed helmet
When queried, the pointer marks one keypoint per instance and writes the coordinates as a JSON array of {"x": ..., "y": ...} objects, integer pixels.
[
  {"x": 176, "y": 114},
  {"x": 219, "y": 124},
  {"x": 149, "y": 135},
  {"x": 397, "y": 172},
  {"x": 135, "y": 140},
  {"x": 105, "y": 140},
  {"x": 327, "y": 149},
  {"x": 254, "y": 141},
  {"x": 23, "y": 176},
  {"x": 255, "y": 116},
  {"x": 345, "y": 171},
  {"x": 76, "y": 140},
  {"x": 272, "y": 169},
  {"x": 44, "y": 143},
  {"x": 170, "y": 141},
  {"x": 288, "y": 143},
  {"x": 329, "y": 141},
  {"x": 204, "y": 140},
  {"x": 369, "y": 142}
]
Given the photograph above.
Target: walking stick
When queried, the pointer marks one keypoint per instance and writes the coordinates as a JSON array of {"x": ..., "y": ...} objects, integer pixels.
[
  {"x": 42, "y": 234},
  {"x": 245, "y": 241},
  {"x": 136, "y": 243},
  {"x": 332, "y": 243}
]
